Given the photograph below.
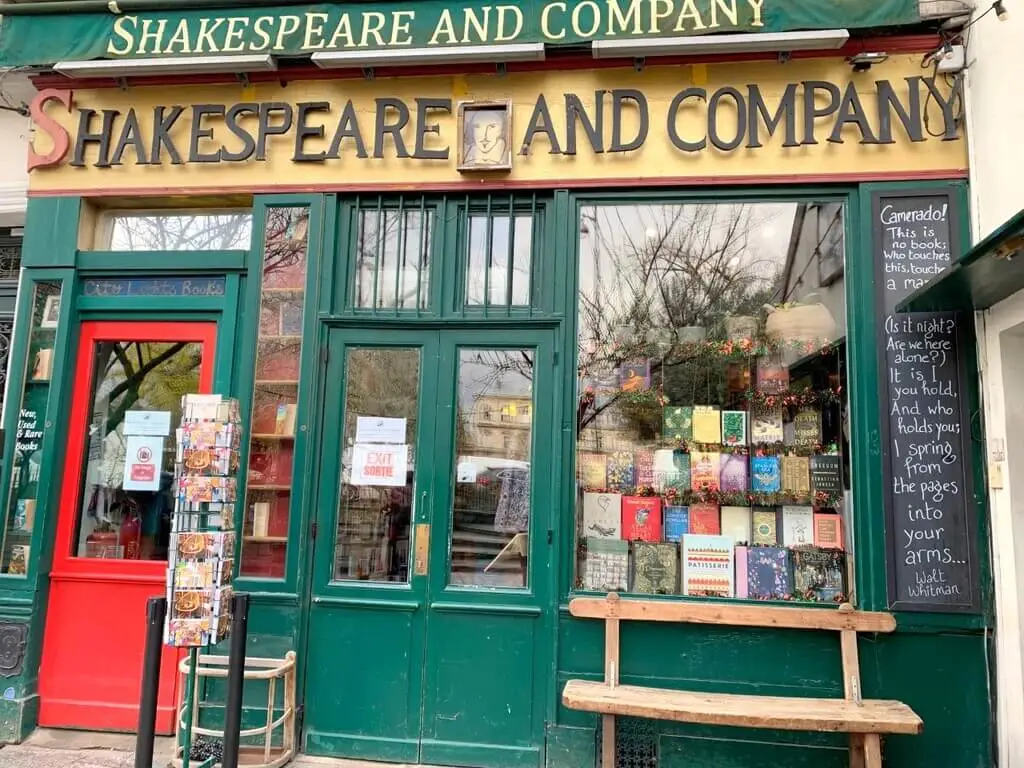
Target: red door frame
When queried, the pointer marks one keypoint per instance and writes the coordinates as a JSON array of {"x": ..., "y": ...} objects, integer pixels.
[{"x": 93, "y": 641}]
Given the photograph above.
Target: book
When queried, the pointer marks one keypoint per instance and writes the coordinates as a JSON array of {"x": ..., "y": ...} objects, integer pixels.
[
  {"x": 826, "y": 474},
  {"x": 606, "y": 565},
  {"x": 704, "y": 519},
  {"x": 707, "y": 424},
  {"x": 769, "y": 573},
  {"x": 765, "y": 525},
  {"x": 678, "y": 422},
  {"x": 671, "y": 470},
  {"x": 734, "y": 427},
  {"x": 643, "y": 463},
  {"x": 635, "y": 376},
  {"x": 828, "y": 531},
  {"x": 707, "y": 565},
  {"x": 655, "y": 569},
  {"x": 43, "y": 365},
  {"x": 819, "y": 574},
  {"x": 641, "y": 518},
  {"x": 772, "y": 375},
  {"x": 764, "y": 474},
  {"x": 797, "y": 526},
  {"x": 621, "y": 473},
  {"x": 285, "y": 421},
  {"x": 807, "y": 427},
  {"x": 766, "y": 426},
  {"x": 704, "y": 468},
  {"x": 602, "y": 515},
  {"x": 677, "y": 522},
  {"x": 737, "y": 523},
  {"x": 740, "y": 567},
  {"x": 796, "y": 474},
  {"x": 733, "y": 476},
  {"x": 593, "y": 470},
  {"x": 260, "y": 519}
]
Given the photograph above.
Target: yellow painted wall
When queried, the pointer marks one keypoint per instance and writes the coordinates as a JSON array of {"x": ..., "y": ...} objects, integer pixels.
[{"x": 657, "y": 160}]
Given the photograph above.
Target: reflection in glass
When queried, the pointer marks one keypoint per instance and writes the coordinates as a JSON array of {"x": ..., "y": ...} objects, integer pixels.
[
  {"x": 376, "y": 499},
  {"x": 137, "y": 231},
  {"x": 276, "y": 393},
  {"x": 499, "y": 260},
  {"x": 494, "y": 440},
  {"x": 127, "y": 514},
  {"x": 712, "y": 401},
  {"x": 393, "y": 259}
]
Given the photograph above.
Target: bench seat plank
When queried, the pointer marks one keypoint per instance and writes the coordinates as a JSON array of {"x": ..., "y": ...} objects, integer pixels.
[{"x": 784, "y": 713}]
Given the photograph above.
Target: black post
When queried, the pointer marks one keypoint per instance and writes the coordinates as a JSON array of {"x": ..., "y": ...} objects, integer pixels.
[
  {"x": 236, "y": 676},
  {"x": 156, "y": 609}
]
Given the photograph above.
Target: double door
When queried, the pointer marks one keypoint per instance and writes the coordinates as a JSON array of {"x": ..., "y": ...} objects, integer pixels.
[{"x": 430, "y": 620}]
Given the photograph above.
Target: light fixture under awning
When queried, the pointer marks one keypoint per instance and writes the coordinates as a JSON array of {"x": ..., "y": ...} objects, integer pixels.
[
  {"x": 990, "y": 272},
  {"x": 456, "y": 54},
  {"x": 754, "y": 42},
  {"x": 167, "y": 65}
]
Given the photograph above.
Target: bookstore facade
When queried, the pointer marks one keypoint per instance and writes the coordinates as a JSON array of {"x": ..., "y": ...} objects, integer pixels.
[{"x": 671, "y": 286}]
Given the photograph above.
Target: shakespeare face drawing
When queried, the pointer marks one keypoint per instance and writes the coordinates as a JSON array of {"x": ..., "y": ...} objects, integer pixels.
[{"x": 485, "y": 138}]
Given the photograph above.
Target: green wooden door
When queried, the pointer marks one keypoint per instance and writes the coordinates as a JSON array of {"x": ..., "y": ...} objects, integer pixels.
[{"x": 430, "y": 618}]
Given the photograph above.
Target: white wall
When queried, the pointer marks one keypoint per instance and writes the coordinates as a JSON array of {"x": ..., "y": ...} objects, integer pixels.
[{"x": 15, "y": 89}]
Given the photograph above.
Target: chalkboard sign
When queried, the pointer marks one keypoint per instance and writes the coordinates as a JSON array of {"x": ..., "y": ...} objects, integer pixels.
[{"x": 931, "y": 518}]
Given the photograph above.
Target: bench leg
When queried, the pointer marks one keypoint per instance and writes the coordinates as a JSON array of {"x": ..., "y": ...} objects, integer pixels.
[
  {"x": 608, "y": 741},
  {"x": 856, "y": 750},
  {"x": 872, "y": 750}
]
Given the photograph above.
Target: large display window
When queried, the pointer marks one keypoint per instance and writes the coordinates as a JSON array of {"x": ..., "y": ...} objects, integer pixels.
[{"x": 712, "y": 419}]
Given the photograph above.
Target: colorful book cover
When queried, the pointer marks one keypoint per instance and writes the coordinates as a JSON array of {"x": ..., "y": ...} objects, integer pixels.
[
  {"x": 606, "y": 565},
  {"x": 593, "y": 470},
  {"x": 826, "y": 474},
  {"x": 677, "y": 522},
  {"x": 737, "y": 523},
  {"x": 644, "y": 464},
  {"x": 807, "y": 427},
  {"x": 734, "y": 428},
  {"x": 641, "y": 518},
  {"x": 705, "y": 519},
  {"x": 796, "y": 474},
  {"x": 678, "y": 422},
  {"x": 734, "y": 472},
  {"x": 797, "y": 526},
  {"x": 772, "y": 375},
  {"x": 707, "y": 565},
  {"x": 621, "y": 473},
  {"x": 602, "y": 515},
  {"x": 819, "y": 574},
  {"x": 671, "y": 470},
  {"x": 766, "y": 426},
  {"x": 769, "y": 573},
  {"x": 704, "y": 468},
  {"x": 828, "y": 531},
  {"x": 740, "y": 555},
  {"x": 707, "y": 424},
  {"x": 765, "y": 527},
  {"x": 635, "y": 376},
  {"x": 765, "y": 474},
  {"x": 655, "y": 569}
]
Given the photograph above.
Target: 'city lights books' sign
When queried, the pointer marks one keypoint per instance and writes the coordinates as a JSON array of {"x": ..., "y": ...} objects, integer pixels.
[{"x": 695, "y": 120}]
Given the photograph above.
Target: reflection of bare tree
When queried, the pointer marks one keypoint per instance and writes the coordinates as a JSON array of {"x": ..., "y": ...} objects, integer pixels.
[
  {"x": 392, "y": 257},
  {"x": 286, "y": 237},
  {"x": 180, "y": 232}
]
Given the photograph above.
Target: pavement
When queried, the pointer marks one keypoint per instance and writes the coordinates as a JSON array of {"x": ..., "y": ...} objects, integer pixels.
[{"x": 80, "y": 749}]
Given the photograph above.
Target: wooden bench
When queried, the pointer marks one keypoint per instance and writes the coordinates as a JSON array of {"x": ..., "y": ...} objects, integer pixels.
[{"x": 864, "y": 720}]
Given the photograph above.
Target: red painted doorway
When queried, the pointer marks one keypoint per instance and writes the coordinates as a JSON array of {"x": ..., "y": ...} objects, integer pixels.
[{"x": 113, "y": 521}]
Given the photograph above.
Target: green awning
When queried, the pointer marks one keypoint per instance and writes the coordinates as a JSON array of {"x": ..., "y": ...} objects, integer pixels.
[{"x": 985, "y": 275}]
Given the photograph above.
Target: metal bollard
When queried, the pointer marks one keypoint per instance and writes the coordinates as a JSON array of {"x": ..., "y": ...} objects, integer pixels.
[
  {"x": 156, "y": 610},
  {"x": 236, "y": 676}
]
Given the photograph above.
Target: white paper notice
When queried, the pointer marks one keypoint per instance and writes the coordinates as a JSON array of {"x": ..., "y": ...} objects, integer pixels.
[
  {"x": 466, "y": 472},
  {"x": 379, "y": 464},
  {"x": 377, "y": 429},
  {"x": 157, "y": 423},
  {"x": 143, "y": 457}
]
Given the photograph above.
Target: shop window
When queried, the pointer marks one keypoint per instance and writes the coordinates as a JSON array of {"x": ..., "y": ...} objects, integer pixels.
[
  {"x": 712, "y": 419},
  {"x": 276, "y": 394},
  {"x": 499, "y": 266},
  {"x": 175, "y": 231},
  {"x": 27, "y": 460},
  {"x": 393, "y": 258}
]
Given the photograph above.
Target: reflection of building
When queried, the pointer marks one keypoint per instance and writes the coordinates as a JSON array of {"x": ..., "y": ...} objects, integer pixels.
[{"x": 499, "y": 425}]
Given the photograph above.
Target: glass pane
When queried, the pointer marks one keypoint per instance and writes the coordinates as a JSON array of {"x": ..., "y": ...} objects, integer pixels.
[
  {"x": 393, "y": 258},
  {"x": 712, "y": 418},
  {"x": 376, "y": 504},
  {"x": 127, "y": 502},
  {"x": 491, "y": 272},
  {"x": 26, "y": 463},
  {"x": 494, "y": 442},
  {"x": 136, "y": 231},
  {"x": 276, "y": 393}
]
